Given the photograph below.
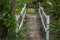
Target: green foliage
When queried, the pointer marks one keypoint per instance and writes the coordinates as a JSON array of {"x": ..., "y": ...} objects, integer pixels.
[
  {"x": 54, "y": 37},
  {"x": 20, "y": 4},
  {"x": 31, "y": 10},
  {"x": 56, "y": 28},
  {"x": 7, "y": 19},
  {"x": 52, "y": 8},
  {"x": 56, "y": 8},
  {"x": 22, "y": 33}
]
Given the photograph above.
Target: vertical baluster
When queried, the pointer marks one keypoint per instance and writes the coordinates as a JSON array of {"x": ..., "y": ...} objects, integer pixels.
[
  {"x": 47, "y": 31},
  {"x": 23, "y": 13},
  {"x": 17, "y": 17}
]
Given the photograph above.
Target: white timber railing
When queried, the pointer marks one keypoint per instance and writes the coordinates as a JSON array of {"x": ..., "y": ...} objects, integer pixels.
[
  {"x": 23, "y": 14},
  {"x": 45, "y": 22}
]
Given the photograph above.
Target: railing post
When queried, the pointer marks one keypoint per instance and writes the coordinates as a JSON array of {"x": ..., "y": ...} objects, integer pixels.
[
  {"x": 25, "y": 9},
  {"x": 23, "y": 13},
  {"x": 47, "y": 31},
  {"x": 17, "y": 24}
]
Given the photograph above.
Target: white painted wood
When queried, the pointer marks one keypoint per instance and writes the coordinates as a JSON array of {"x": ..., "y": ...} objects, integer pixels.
[
  {"x": 47, "y": 32},
  {"x": 23, "y": 13},
  {"x": 17, "y": 17},
  {"x": 17, "y": 25},
  {"x": 42, "y": 19},
  {"x": 47, "y": 17},
  {"x": 42, "y": 9}
]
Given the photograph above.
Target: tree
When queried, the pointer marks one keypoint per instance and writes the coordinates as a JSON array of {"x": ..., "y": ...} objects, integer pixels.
[{"x": 7, "y": 18}]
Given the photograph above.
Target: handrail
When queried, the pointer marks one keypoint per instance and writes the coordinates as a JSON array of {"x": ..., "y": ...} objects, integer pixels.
[
  {"x": 23, "y": 9},
  {"x": 42, "y": 9},
  {"x": 41, "y": 18},
  {"x": 46, "y": 27},
  {"x": 23, "y": 12}
]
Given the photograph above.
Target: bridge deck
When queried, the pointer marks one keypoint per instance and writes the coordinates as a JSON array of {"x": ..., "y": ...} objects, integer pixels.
[{"x": 34, "y": 27}]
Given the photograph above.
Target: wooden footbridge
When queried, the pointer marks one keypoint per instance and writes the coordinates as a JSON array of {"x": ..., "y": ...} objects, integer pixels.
[{"x": 35, "y": 23}]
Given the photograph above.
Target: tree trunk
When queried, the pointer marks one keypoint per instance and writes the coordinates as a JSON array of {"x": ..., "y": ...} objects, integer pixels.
[{"x": 13, "y": 8}]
